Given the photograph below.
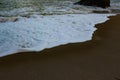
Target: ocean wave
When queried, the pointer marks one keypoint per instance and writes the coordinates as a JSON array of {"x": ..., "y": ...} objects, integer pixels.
[
  {"x": 23, "y": 8},
  {"x": 40, "y": 32}
]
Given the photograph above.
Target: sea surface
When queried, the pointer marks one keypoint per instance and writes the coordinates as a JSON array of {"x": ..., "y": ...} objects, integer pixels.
[
  {"x": 34, "y": 25},
  {"x": 49, "y": 7}
]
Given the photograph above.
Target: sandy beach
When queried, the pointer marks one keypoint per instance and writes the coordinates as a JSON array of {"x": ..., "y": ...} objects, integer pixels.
[{"x": 98, "y": 59}]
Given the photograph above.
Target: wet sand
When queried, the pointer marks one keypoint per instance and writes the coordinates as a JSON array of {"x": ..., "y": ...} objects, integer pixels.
[{"x": 98, "y": 59}]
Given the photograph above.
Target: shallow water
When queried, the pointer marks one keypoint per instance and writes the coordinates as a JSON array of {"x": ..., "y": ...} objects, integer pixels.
[
  {"x": 51, "y": 23},
  {"x": 48, "y": 7},
  {"x": 41, "y": 32}
]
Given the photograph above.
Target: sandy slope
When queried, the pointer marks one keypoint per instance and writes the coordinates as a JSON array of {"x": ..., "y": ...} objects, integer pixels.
[{"x": 98, "y": 59}]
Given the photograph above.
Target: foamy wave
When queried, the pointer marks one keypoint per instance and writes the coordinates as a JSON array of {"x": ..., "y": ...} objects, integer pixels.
[
  {"x": 40, "y": 32},
  {"x": 52, "y": 8}
]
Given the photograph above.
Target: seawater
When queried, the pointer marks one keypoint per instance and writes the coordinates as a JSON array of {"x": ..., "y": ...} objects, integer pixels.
[
  {"x": 51, "y": 23},
  {"x": 48, "y": 7}
]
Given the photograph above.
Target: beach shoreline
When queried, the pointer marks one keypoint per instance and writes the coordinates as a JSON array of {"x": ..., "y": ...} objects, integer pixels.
[{"x": 98, "y": 59}]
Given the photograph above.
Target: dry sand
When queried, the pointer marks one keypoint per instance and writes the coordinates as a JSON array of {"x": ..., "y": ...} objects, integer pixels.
[{"x": 98, "y": 59}]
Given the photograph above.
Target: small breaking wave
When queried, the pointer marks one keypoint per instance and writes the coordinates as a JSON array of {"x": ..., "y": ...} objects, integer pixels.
[{"x": 53, "y": 8}]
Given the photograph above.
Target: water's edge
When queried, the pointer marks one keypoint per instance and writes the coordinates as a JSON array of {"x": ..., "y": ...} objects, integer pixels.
[{"x": 72, "y": 37}]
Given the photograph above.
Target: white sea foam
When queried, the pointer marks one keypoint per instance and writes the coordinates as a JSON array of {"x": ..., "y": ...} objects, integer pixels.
[
  {"x": 41, "y": 32},
  {"x": 30, "y": 7}
]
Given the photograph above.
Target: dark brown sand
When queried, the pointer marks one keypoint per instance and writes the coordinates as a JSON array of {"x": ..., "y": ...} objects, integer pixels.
[{"x": 98, "y": 59}]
